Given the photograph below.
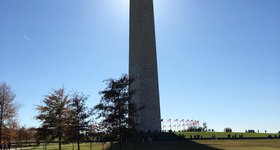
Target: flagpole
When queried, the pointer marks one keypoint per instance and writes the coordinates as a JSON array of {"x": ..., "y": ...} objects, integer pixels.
[
  {"x": 162, "y": 124},
  {"x": 177, "y": 125},
  {"x": 170, "y": 124}
]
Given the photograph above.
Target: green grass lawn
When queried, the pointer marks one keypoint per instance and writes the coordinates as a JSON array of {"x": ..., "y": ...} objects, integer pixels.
[
  {"x": 272, "y": 144},
  {"x": 224, "y": 134},
  {"x": 83, "y": 146},
  {"x": 231, "y": 144}
]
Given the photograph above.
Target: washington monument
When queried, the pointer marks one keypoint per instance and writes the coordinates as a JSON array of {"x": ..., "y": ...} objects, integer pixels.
[{"x": 143, "y": 64}]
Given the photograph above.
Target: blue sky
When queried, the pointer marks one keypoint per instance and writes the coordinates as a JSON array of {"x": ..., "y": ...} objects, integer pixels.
[{"x": 218, "y": 60}]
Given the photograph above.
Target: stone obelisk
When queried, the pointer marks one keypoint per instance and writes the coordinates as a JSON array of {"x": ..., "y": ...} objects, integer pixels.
[{"x": 143, "y": 64}]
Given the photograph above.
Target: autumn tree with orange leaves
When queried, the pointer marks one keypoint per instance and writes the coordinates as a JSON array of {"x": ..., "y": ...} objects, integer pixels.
[{"x": 8, "y": 109}]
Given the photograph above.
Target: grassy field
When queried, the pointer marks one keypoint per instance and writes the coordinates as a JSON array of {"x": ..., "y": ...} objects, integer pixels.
[
  {"x": 273, "y": 144},
  {"x": 214, "y": 144},
  {"x": 182, "y": 145},
  {"x": 225, "y": 135},
  {"x": 83, "y": 146}
]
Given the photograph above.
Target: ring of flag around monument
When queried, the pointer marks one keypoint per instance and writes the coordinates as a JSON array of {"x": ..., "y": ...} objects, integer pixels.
[{"x": 179, "y": 125}]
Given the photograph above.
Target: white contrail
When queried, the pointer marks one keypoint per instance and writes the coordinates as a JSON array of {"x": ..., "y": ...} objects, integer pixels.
[{"x": 26, "y": 38}]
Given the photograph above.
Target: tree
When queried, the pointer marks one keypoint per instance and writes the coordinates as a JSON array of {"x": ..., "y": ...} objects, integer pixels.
[
  {"x": 227, "y": 130},
  {"x": 8, "y": 107},
  {"x": 43, "y": 133},
  {"x": 21, "y": 134},
  {"x": 10, "y": 131},
  {"x": 115, "y": 108},
  {"x": 54, "y": 114},
  {"x": 79, "y": 116},
  {"x": 205, "y": 126}
]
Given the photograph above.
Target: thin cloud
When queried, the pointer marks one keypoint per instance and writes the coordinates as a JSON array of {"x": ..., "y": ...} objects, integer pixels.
[{"x": 26, "y": 38}]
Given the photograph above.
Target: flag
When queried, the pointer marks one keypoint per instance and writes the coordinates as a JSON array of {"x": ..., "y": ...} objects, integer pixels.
[
  {"x": 161, "y": 120},
  {"x": 169, "y": 120},
  {"x": 94, "y": 126},
  {"x": 182, "y": 120},
  {"x": 176, "y": 120}
]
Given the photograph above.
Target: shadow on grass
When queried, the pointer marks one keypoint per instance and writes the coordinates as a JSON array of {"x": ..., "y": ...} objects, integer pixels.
[
  {"x": 161, "y": 145},
  {"x": 161, "y": 141}
]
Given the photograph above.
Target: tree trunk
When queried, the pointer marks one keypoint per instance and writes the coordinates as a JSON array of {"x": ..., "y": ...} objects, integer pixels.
[
  {"x": 45, "y": 145},
  {"x": 2, "y": 105},
  {"x": 78, "y": 137},
  {"x": 1, "y": 129},
  {"x": 120, "y": 140},
  {"x": 90, "y": 145},
  {"x": 59, "y": 131},
  {"x": 1, "y": 117},
  {"x": 120, "y": 129},
  {"x": 59, "y": 142},
  {"x": 78, "y": 144}
]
